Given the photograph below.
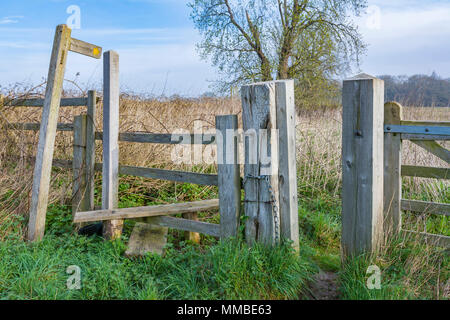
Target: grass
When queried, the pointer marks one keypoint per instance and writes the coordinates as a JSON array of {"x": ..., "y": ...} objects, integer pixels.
[{"x": 211, "y": 270}]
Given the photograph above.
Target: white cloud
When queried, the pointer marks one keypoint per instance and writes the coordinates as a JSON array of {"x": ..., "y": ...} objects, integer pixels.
[
  {"x": 412, "y": 38},
  {"x": 10, "y": 20}
]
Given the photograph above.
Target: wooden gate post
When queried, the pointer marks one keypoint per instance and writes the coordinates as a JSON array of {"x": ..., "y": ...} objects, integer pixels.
[
  {"x": 110, "y": 186},
  {"x": 79, "y": 164},
  {"x": 228, "y": 175},
  {"x": 392, "y": 170},
  {"x": 362, "y": 164},
  {"x": 288, "y": 163},
  {"x": 261, "y": 201}
]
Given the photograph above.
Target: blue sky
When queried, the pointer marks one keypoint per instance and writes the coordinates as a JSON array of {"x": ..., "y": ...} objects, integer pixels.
[{"x": 156, "y": 41}]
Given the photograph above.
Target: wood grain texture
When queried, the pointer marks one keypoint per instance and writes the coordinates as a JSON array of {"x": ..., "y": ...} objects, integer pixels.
[
  {"x": 79, "y": 165},
  {"x": 229, "y": 179},
  {"x": 90, "y": 151},
  {"x": 86, "y": 49},
  {"x": 362, "y": 156},
  {"x": 425, "y": 172},
  {"x": 392, "y": 170},
  {"x": 259, "y": 114},
  {"x": 144, "y": 212},
  {"x": 110, "y": 184},
  {"x": 426, "y": 207},
  {"x": 47, "y": 133},
  {"x": 287, "y": 172}
]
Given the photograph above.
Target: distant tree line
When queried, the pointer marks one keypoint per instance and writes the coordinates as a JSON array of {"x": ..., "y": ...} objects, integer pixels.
[{"x": 418, "y": 90}]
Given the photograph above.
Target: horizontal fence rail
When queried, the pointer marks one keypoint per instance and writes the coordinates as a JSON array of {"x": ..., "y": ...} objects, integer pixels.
[
  {"x": 433, "y": 239},
  {"x": 36, "y": 126},
  {"x": 425, "y": 172},
  {"x": 151, "y": 173},
  {"x": 65, "y": 102},
  {"x": 426, "y": 207}
]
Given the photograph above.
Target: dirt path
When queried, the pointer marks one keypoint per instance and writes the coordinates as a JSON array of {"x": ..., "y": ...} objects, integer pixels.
[{"x": 324, "y": 286}]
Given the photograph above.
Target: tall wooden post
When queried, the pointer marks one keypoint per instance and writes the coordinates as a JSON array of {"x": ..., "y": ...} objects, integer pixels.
[
  {"x": 47, "y": 133},
  {"x": 392, "y": 170},
  {"x": 229, "y": 175},
  {"x": 362, "y": 157},
  {"x": 288, "y": 162},
  {"x": 90, "y": 150},
  {"x": 259, "y": 115},
  {"x": 110, "y": 186},
  {"x": 79, "y": 164}
]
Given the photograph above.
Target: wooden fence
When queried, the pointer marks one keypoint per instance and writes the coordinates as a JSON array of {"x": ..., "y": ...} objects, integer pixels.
[
  {"x": 372, "y": 171},
  {"x": 275, "y": 215}
]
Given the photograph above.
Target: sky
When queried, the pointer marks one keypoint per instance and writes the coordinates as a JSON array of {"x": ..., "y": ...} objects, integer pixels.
[{"x": 156, "y": 42}]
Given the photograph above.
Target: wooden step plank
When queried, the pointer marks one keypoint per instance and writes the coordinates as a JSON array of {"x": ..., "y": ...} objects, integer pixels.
[
  {"x": 426, "y": 207},
  {"x": 434, "y": 239},
  {"x": 143, "y": 212},
  {"x": 425, "y": 172},
  {"x": 187, "y": 225}
]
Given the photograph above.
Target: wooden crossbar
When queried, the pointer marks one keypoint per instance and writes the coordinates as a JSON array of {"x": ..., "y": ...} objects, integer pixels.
[
  {"x": 85, "y": 48},
  {"x": 36, "y": 126},
  {"x": 144, "y": 212},
  {"x": 434, "y": 239},
  {"x": 426, "y": 207},
  {"x": 161, "y": 138},
  {"x": 425, "y": 172},
  {"x": 36, "y": 102}
]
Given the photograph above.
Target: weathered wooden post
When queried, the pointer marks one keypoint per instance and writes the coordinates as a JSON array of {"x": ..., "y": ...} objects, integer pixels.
[
  {"x": 90, "y": 150},
  {"x": 288, "y": 163},
  {"x": 229, "y": 175},
  {"x": 47, "y": 133},
  {"x": 362, "y": 164},
  {"x": 270, "y": 181},
  {"x": 392, "y": 170},
  {"x": 110, "y": 185},
  {"x": 79, "y": 164}
]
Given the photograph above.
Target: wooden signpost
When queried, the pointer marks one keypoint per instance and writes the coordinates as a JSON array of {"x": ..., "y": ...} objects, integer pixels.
[{"x": 62, "y": 44}]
